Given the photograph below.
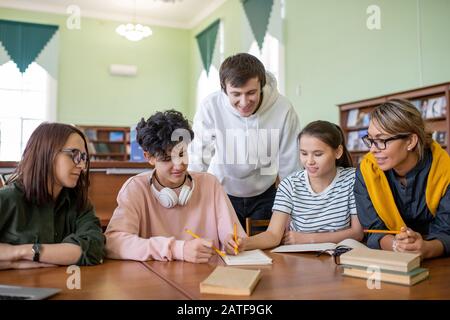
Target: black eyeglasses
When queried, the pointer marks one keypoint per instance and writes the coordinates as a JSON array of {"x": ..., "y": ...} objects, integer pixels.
[
  {"x": 76, "y": 155},
  {"x": 336, "y": 252},
  {"x": 380, "y": 144}
]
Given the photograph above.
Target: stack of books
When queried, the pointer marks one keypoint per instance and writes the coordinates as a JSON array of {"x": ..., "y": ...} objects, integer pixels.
[{"x": 388, "y": 266}]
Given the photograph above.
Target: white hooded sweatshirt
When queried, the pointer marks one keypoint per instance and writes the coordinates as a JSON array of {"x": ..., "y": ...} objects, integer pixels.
[{"x": 246, "y": 153}]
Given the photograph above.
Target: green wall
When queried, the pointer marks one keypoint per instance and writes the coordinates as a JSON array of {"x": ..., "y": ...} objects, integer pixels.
[
  {"x": 88, "y": 94},
  {"x": 329, "y": 54},
  {"x": 332, "y": 56}
]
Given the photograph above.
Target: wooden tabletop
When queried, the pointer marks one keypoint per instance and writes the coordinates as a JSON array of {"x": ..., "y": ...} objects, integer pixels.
[
  {"x": 125, "y": 280},
  {"x": 306, "y": 276},
  {"x": 290, "y": 277}
]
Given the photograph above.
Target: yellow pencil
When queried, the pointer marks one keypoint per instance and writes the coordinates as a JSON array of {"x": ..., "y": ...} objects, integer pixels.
[
  {"x": 382, "y": 231},
  {"x": 222, "y": 254},
  {"x": 236, "y": 250}
]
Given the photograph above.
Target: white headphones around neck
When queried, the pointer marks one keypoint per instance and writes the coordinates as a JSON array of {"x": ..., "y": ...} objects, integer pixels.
[{"x": 168, "y": 198}]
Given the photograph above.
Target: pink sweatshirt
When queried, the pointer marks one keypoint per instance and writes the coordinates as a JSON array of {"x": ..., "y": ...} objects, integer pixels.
[{"x": 142, "y": 229}]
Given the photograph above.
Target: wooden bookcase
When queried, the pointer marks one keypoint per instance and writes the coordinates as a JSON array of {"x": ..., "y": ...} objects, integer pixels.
[
  {"x": 107, "y": 143},
  {"x": 432, "y": 101}
]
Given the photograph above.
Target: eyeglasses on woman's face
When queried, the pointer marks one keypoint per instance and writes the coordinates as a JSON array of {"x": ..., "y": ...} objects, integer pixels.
[
  {"x": 76, "y": 155},
  {"x": 381, "y": 144}
]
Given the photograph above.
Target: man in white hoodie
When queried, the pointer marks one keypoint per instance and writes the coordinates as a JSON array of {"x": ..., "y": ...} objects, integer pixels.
[{"x": 246, "y": 135}]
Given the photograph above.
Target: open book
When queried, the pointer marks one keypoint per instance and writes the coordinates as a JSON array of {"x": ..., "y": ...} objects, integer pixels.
[
  {"x": 252, "y": 257},
  {"x": 327, "y": 247}
]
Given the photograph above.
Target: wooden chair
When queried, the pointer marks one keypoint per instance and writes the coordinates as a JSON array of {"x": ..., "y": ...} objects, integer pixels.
[{"x": 251, "y": 223}]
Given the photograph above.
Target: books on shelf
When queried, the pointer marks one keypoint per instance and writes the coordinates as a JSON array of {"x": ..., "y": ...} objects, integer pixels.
[
  {"x": 231, "y": 281},
  {"x": 406, "y": 278},
  {"x": 440, "y": 137},
  {"x": 352, "y": 118},
  {"x": 354, "y": 141},
  {"x": 357, "y": 118},
  {"x": 116, "y": 136},
  {"x": 252, "y": 257},
  {"x": 363, "y": 119},
  {"x": 91, "y": 134},
  {"x": 136, "y": 152},
  {"x": 102, "y": 148},
  {"x": 434, "y": 107},
  {"x": 385, "y": 260},
  {"x": 327, "y": 247}
]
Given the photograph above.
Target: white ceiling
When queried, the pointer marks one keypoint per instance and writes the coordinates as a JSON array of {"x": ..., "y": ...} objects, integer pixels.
[{"x": 171, "y": 13}]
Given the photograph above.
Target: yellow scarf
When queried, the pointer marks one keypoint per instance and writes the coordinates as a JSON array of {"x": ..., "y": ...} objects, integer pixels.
[{"x": 381, "y": 195}]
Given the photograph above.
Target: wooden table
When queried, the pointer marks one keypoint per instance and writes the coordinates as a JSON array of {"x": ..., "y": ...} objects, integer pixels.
[
  {"x": 306, "y": 276},
  {"x": 125, "y": 280}
]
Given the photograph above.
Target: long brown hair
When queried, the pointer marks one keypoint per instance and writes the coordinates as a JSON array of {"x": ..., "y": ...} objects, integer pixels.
[
  {"x": 35, "y": 170},
  {"x": 332, "y": 135},
  {"x": 398, "y": 116}
]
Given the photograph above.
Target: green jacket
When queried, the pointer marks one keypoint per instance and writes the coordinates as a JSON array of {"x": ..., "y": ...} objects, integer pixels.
[{"x": 22, "y": 222}]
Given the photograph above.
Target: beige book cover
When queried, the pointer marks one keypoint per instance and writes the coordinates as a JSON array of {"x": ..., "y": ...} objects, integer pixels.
[
  {"x": 404, "y": 278},
  {"x": 386, "y": 260},
  {"x": 231, "y": 281}
]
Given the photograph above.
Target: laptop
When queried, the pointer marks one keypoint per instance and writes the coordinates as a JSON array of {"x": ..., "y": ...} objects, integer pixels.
[{"x": 25, "y": 293}]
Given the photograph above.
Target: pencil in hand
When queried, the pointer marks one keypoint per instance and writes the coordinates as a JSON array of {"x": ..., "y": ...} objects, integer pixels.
[
  {"x": 381, "y": 231},
  {"x": 221, "y": 253},
  {"x": 236, "y": 250}
]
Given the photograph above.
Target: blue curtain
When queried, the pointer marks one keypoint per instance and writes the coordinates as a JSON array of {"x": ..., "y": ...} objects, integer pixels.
[
  {"x": 258, "y": 15},
  {"x": 24, "y": 41},
  {"x": 206, "y": 42}
]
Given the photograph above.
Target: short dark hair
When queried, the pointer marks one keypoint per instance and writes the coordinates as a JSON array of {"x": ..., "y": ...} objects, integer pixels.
[
  {"x": 35, "y": 170},
  {"x": 332, "y": 135},
  {"x": 155, "y": 134},
  {"x": 240, "y": 68}
]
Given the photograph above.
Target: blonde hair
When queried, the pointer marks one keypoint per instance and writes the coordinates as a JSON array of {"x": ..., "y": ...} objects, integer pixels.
[{"x": 398, "y": 116}]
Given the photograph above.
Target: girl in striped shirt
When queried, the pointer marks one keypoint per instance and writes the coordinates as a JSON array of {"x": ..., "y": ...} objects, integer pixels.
[{"x": 318, "y": 201}]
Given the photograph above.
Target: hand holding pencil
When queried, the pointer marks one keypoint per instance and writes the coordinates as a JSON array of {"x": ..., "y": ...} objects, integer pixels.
[
  {"x": 234, "y": 244},
  {"x": 211, "y": 245}
]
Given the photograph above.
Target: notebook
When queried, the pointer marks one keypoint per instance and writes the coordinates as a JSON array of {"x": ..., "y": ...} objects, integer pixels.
[
  {"x": 386, "y": 260},
  {"x": 25, "y": 293},
  {"x": 231, "y": 281},
  {"x": 405, "y": 278},
  {"x": 244, "y": 258},
  {"x": 327, "y": 247}
]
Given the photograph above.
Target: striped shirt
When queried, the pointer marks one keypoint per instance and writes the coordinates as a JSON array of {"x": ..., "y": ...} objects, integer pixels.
[{"x": 309, "y": 211}]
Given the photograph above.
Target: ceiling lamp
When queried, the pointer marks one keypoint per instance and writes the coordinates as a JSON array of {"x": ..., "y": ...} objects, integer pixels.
[{"x": 133, "y": 31}]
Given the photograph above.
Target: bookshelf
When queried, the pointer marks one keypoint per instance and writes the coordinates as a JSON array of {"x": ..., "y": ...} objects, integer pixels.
[
  {"x": 432, "y": 101},
  {"x": 107, "y": 143}
]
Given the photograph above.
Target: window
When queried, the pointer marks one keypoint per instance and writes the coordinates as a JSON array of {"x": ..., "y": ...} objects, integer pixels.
[
  {"x": 270, "y": 55},
  {"x": 26, "y": 100}
]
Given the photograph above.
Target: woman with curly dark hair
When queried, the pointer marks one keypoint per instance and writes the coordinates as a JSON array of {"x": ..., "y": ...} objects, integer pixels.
[
  {"x": 156, "y": 208},
  {"x": 46, "y": 218}
]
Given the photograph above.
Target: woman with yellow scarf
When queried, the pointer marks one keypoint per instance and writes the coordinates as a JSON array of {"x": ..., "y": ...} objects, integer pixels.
[{"x": 402, "y": 184}]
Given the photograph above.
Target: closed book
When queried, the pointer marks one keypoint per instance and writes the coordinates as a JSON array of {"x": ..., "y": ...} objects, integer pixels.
[
  {"x": 247, "y": 258},
  {"x": 231, "y": 281},
  {"x": 404, "y": 278},
  {"x": 386, "y": 260}
]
